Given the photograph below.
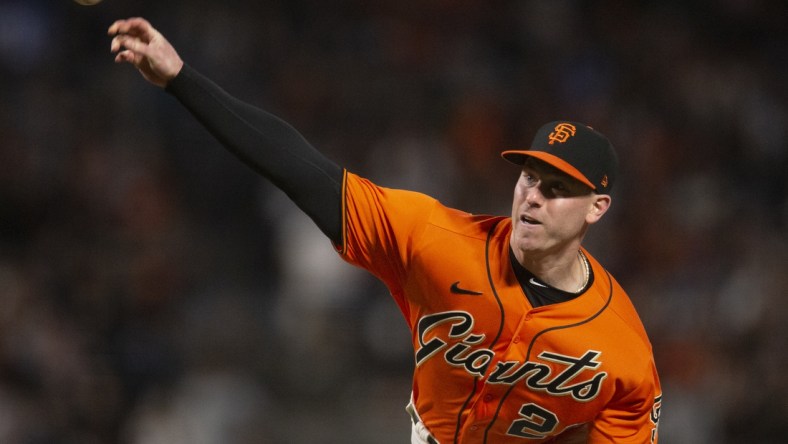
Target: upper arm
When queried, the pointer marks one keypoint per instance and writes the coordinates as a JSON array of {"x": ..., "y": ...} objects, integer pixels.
[{"x": 381, "y": 227}]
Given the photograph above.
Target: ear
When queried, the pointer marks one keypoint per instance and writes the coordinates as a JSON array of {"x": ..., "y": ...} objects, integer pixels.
[{"x": 599, "y": 207}]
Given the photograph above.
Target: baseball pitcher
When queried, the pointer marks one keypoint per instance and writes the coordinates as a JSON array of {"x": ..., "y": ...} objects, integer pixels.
[{"x": 519, "y": 335}]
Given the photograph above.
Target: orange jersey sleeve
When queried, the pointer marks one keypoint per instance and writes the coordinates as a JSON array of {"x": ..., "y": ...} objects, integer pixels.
[
  {"x": 489, "y": 367},
  {"x": 381, "y": 227}
]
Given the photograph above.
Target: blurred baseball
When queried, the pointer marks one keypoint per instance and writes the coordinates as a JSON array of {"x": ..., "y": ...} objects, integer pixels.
[{"x": 88, "y": 2}]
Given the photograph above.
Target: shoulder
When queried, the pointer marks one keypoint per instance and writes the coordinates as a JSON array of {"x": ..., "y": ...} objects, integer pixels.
[
  {"x": 363, "y": 194},
  {"x": 619, "y": 325},
  {"x": 466, "y": 224}
]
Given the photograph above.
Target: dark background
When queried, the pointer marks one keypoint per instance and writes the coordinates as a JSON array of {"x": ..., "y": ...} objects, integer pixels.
[{"x": 154, "y": 290}]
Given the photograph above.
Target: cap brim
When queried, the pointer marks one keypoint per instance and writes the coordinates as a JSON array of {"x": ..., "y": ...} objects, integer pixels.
[{"x": 518, "y": 157}]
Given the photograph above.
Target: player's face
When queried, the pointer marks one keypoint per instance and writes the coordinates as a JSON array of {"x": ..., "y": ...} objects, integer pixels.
[{"x": 552, "y": 210}]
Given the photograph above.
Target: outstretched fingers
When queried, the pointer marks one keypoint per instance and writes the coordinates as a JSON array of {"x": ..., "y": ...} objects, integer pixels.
[
  {"x": 128, "y": 49},
  {"x": 124, "y": 41},
  {"x": 131, "y": 38},
  {"x": 128, "y": 56},
  {"x": 135, "y": 26},
  {"x": 135, "y": 41}
]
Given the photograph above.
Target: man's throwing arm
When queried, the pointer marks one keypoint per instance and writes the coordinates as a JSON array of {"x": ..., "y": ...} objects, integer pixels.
[{"x": 270, "y": 146}]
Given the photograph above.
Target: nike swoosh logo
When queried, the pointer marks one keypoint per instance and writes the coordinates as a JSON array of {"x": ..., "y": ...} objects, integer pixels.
[
  {"x": 455, "y": 288},
  {"x": 538, "y": 284}
]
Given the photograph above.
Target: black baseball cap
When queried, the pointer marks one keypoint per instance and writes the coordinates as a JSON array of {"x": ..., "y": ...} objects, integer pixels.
[{"x": 576, "y": 149}]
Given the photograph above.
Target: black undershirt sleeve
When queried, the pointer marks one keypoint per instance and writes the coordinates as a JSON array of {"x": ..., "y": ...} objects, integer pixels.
[{"x": 268, "y": 145}]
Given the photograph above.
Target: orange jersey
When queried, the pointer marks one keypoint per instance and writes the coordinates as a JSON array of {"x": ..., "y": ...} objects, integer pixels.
[{"x": 490, "y": 368}]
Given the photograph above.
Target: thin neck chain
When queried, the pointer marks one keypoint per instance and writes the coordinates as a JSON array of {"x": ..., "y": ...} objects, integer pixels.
[{"x": 586, "y": 268}]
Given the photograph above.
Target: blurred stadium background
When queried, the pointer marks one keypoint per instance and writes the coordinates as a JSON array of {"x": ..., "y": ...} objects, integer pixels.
[{"x": 154, "y": 290}]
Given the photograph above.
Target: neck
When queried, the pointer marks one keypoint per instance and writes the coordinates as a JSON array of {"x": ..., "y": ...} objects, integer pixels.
[{"x": 567, "y": 271}]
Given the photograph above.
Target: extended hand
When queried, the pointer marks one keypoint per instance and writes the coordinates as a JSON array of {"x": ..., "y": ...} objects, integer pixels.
[{"x": 135, "y": 41}]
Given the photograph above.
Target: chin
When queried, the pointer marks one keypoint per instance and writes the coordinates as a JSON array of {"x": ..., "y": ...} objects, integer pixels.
[{"x": 524, "y": 245}]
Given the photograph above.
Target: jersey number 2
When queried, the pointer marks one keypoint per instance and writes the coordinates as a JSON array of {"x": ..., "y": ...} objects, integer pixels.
[{"x": 537, "y": 422}]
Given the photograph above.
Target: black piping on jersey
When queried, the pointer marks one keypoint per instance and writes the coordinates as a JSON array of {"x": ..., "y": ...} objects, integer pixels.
[
  {"x": 536, "y": 336},
  {"x": 341, "y": 248},
  {"x": 500, "y": 327}
]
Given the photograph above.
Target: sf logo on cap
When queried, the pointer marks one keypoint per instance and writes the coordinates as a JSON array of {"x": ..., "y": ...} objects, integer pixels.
[{"x": 562, "y": 133}]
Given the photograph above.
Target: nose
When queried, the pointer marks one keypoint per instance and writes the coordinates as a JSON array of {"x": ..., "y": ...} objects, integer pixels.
[{"x": 533, "y": 195}]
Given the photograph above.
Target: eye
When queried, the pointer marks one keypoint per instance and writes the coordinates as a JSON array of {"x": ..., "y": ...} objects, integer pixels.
[
  {"x": 559, "y": 187},
  {"x": 529, "y": 179},
  {"x": 568, "y": 188}
]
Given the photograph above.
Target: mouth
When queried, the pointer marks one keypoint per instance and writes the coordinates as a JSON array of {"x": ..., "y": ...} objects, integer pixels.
[{"x": 525, "y": 219}]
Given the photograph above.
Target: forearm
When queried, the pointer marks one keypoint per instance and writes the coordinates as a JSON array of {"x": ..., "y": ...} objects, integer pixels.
[{"x": 269, "y": 145}]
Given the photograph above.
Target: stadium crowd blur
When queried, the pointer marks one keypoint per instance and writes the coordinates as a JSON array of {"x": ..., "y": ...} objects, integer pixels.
[{"x": 155, "y": 290}]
